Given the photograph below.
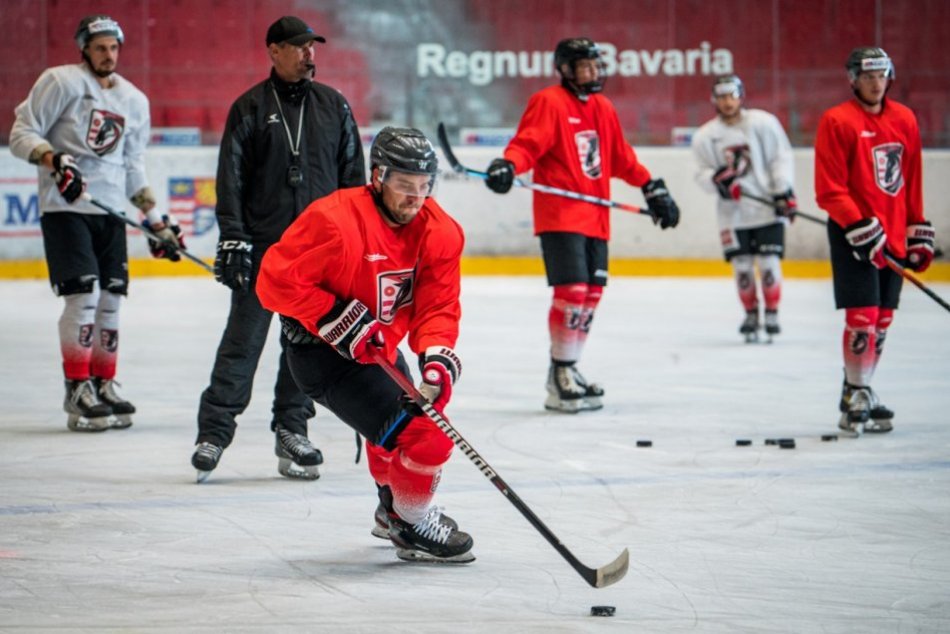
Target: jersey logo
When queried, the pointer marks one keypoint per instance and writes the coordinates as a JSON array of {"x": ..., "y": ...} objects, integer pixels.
[
  {"x": 867, "y": 134},
  {"x": 105, "y": 131},
  {"x": 887, "y": 167},
  {"x": 588, "y": 151},
  {"x": 272, "y": 118},
  {"x": 375, "y": 257},
  {"x": 737, "y": 157},
  {"x": 395, "y": 291},
  {"x": 573, "y": 120}
]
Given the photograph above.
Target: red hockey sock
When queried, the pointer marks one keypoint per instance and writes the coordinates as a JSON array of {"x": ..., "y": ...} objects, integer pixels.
[
  {"x": 421, "y": 450},
  {"x": 76, "y": 334},
  {"x": 770, "y": 268},
  {"x": 859, "y": 343},
  {"x": 744, "y": 272},
  {"x": 379, "y": 461},
  {"x": 564, "y": 320},
  {"x": 594, "y": 293},
  {"x": 885, "y": 316}
]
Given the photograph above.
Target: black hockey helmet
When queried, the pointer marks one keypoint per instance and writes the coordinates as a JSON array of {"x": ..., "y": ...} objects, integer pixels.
[
  {"x": 868, "y": 58},
  {"x": 568, "y": 52},
  {"x": 404, "y": 149},
  {"x": 728, "y": 85},
  {"x": 93, "y": 25}
]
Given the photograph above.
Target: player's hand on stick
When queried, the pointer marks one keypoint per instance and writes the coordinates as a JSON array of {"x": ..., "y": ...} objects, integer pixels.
[
  {"x": 660, "y": 204},
  {"x": 171, "y": 238},
  {"x": 501, "y": 175},
  {"x": 232, "y": 264},
  {"x": 867, "y": 240},
  {"x": 786, "y": 205},
  {"x": 351, "y": 330},
  {"x": 725, "y": 181},
  {"x": 68, "y": 177},
  {"x": 441, "y": 368},
  {"x": 920, "y": 246}
]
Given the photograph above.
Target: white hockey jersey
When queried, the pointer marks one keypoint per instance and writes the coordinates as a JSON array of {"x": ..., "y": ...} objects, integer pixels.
[
  {"x": 759, "y": 149},
  {"x": 105, "y": 129}
]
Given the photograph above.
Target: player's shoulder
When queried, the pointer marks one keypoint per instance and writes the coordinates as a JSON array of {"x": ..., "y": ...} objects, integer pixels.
[
  {"x": 759, "y": 115},
  {"x": 439, "y": 221},
  {"x": 707, "y": 128},
  {"x": 65, "y": 75},
  {"x": 899, "y": 109},
  {"x": 130, "y": 89}
]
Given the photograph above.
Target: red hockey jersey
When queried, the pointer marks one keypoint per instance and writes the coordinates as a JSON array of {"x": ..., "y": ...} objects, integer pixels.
[
  {"x": 340, "y": 248},
  {"x": 573, "y": 145},
  {"x": 870, "y": 165}
]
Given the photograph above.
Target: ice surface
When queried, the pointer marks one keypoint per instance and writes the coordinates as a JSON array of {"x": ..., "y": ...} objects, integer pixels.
[{"x": 104, "y": 532}]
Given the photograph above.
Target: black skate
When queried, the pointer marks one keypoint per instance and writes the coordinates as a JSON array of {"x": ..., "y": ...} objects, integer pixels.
[
  {"x": 381, "y": 516},
  {"x": 749, "y": 328},
  {"x": 297, "y": 458},
  {"x": 86, "y": 412},
  {"x": 771, "y": 324},
  {"x": 879, "y": 417},
  {"x": 565, "y": 394},
  {"x": 593, "y": 392},
  {"x": 432, "y": 539},
  {"x": 856, "y": 412},
  {"x": 205, "y": 459},
  {"x": 121, "y": 408}
]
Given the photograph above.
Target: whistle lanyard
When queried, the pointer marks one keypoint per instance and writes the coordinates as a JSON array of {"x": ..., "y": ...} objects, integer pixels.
[{"x": 294, "y": 145}]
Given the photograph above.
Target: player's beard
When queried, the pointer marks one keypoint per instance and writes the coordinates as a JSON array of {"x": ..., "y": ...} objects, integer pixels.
[{"x": 101, "y": 70}]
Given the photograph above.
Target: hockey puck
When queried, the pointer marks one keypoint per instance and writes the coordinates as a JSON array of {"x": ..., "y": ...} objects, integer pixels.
[
  {"x": 786, "y": 443},
  {"x": 771, "y": 441},
  {"x": 743, "y": 442},
  {"x": 602, "y": 610},
  {"x": 643, "y": 443},
  {"x": 829, "y": 437}
]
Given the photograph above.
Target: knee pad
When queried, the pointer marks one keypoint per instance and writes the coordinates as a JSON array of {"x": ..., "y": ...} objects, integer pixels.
[
  {"x": 107, "y": 310},
  {"x": 594, "y": 294},
  {"x": 423, "y": 447},
  {"x": 864, "y": 318},
  {"x": 568, "y": 303},
  {"x": 885, "y": 317}
]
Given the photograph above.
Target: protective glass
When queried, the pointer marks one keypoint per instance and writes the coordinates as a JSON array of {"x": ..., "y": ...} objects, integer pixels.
[{"x": 407, "y": 183}]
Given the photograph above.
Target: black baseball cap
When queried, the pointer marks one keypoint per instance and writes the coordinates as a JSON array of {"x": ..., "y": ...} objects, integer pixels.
[{"x": 292, "y": 30}]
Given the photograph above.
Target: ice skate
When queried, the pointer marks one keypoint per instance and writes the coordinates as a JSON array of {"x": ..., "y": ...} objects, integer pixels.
[
  {"x": 879, "y": 417},
  {"x": 593, "y": 392},
  {"x": 381, "y": 516},
  {"x": 750, "y": 326},
  {"x": 432, "y": 539},
  {"x": 86, "y": 412},
  {"x": 565, "y": 394},
  {"x": 297, "y": 457},
  {"x": 121, "y": 408},
  {"x": 205, "y": 459},
  {"x": 771, "y": 325},
  {"x": 855, "y": 408}
]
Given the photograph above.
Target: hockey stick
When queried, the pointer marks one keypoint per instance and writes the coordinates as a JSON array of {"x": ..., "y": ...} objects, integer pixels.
[
  {"x": 596, "y": 577},
  {"x": 121, "y": 216},
  {"x": 910, "y": 277},
  {"x": 771, "y": 203},
  {"x": 546, "y": 189}
]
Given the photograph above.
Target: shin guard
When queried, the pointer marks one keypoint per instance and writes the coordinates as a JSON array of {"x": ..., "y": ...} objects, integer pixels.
[
  {"x": 594, "y": 293},
  {"x": 76, "y": 325},
  {"x": 770, "y": 270},
  {"x": 421, "y": 450},
  {"x": 564, "y": 320},
  {"x": 859, "y": 344},
  {"x": 105, "y": 342},
  {"x": 744, "y": 272}
]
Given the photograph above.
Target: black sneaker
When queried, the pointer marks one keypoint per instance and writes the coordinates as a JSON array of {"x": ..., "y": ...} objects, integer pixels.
[
  {"x": 297, "y": 457},
  {"x": 431, "y": 539}
]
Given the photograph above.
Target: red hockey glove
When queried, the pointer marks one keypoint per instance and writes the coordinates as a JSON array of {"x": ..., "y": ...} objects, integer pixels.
[
  {"x": 350, "y": 329},
  {"x": 920, "y": 246},
  {"x": 171, "y": 239},
  {"x": 867, "y": 240},
  {"x": 441, "y": 368},
  {"x": 786, "y": 205},
  {"x": 68, "y": 177},
  {"x": 725, "y": 181}
]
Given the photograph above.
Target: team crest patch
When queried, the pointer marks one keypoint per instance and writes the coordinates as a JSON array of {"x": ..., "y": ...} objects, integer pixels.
[
  {"x": 395, "y": 291},
  {"x": 105, "y": 131},
  {"x": 888, "y": 170},
  {"x": 588, "y": 151}
]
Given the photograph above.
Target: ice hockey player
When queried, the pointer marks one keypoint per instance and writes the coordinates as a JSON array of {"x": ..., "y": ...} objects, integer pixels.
[
  {"x": 746, "y": 151},
  {"x": 360, "y": 269},
  {"x": 571, "y": 137},
  {"x": 85, "y": 127},
  {"x": 868, "y": 178}
]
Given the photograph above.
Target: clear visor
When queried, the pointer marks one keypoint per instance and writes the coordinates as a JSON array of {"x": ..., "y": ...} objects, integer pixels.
[
  {"x": 875, "y": 63},
  {"x": 407, "y": 183},
  {"x": 730, "y": 89}
]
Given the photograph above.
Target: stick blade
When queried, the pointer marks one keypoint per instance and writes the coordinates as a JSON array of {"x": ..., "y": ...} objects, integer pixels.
[
  {"x": 612, "y": 572},
  {"x": 447, "y": 149}
]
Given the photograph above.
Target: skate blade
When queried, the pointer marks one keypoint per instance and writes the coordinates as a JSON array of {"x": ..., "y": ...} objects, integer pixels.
[
  {"x": 81, "y": 423},
  {"x": 879, "y": 426},
  {"x": 290, "y": 469},
  {"x": 121, "y": 421},
  {"x": 201, "y": 476},
  {"x": 555, "y": 404},
  {"x": 592, "y": 403},
  {"x": 381, "y": 532},
  {"x": 847, "y": 429},
  {"x": 418, "y": 556}
]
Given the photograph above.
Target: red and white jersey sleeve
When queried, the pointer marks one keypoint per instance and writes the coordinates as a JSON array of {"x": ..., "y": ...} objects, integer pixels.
[
  {"x": 869, "y": 165},
  {"x": 341, "y": 249},
  {"x": 573, "y": 145}
]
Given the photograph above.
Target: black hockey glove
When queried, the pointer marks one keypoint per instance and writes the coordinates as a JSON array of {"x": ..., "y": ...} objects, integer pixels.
[
  {"x": 440, "y": 368},
  {"x": 232, "y": 264},
  {"x": 725, "y": 181},
  {"x": 350, "y": 328},
  {"x": 867, "y": 240},
  {"x": 171, "y": 239},
  {"x": 68, "y": 177},
  {"x": 501, "y": 175},
  {"x": 660, "y": 204},
  {"x": 786, "y": 205},
  {"x": 920, "y": 246}
]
